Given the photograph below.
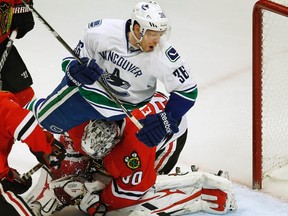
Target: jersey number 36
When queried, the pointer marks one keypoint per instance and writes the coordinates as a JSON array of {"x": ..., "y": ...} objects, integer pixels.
[{"x": 181, "y": 73}]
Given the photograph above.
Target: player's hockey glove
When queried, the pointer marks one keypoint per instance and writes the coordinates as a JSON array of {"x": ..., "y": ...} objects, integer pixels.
[
  {"x": 55, "y": 158},
  {"x": 13, "y": 182},
  {"x": 156, "y": 127},
  {"x": 22, "y": 19},
  {"x": 92, "y": 205},
  {"x": 81, "y": 74}
]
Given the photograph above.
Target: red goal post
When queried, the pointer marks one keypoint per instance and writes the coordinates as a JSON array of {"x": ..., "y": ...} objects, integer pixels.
[{"x": 270, "y": 88}]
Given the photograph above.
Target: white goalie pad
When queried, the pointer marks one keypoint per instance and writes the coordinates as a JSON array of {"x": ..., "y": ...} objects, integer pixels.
[
  {"x": 185, "y": 194},
  {"x": 195, "y": 179},
  {"x": 41, "y": 200},
  {"x": 39, "y": 188}
]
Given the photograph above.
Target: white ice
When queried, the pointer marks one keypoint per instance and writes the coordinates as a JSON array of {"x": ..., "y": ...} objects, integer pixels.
[{"x": 214, "y": 37}]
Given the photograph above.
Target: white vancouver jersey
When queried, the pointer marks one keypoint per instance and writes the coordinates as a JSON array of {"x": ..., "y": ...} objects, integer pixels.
[{"x": 131, "y": 74}]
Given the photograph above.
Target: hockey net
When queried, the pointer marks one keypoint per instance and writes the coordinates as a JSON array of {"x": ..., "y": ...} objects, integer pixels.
[{"x": 270, "y": 88}]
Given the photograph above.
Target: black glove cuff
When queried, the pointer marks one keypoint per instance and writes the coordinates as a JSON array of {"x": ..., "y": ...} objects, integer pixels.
[
  {"x": 20, "y": 9},
  {"x": 23, "y": 22}
]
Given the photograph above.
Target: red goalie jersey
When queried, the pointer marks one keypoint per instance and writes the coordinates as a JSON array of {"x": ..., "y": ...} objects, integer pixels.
[{"x": 131, "y": 163}]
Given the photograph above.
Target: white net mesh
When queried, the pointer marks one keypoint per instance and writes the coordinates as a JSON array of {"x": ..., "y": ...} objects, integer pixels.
[
  {"x": 274, "y": 90},
  {"x": 281, "y": 2}
]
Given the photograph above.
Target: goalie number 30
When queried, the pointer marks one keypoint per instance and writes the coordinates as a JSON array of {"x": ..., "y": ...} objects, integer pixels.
[
  {"x": 133, "y": 179},
  {"x": 181, "y": 73}
]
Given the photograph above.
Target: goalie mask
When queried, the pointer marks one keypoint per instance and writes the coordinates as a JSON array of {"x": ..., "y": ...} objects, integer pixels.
[{"x": 99, "y": 137}]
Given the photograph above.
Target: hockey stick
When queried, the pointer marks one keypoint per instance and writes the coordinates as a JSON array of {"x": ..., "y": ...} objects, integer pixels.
[
  {"x": 59, "y": 38},
  {"x": 6, "y": 53},
  {"x": 28, "y": 174}
]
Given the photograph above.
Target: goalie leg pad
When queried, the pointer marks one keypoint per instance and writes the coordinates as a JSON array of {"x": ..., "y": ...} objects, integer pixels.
[
  {"x": 214, "y": 200},
  {"x": 213, "y": 193},
  {"x": 45, "y": 205},
  {"x": 225, "y": 194},
  {"x": 39, "y": 188}
]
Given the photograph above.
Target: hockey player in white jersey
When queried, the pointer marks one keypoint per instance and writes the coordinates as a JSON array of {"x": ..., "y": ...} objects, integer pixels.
[{"x": 129, "y": 56}]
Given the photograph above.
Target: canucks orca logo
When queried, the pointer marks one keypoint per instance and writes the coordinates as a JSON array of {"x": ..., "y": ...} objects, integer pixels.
[
  {"x": 115, "y": 80},
  {"x": 133, "y": 162}
]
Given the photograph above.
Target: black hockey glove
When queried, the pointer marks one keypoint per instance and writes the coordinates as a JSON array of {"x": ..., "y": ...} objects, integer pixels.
[
  {"x": 86, "y": 73},
  {"x": 53, "y": 159},
  {"x": 13, "y": 182},
  {"x": 156, "y": 127},
  {"x": 22, "y": 19}
]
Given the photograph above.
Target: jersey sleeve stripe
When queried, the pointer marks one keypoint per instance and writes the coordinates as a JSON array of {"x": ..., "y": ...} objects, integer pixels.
[
  {"x": 26, "y": 127},
  {"x": 189, "y": 94},
  {"x": 125, "y": 194},
  {"x": 15, "y": 201}
]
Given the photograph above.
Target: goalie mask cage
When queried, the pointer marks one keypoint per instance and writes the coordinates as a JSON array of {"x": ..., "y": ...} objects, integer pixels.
[{"x": 270, "y": 88}]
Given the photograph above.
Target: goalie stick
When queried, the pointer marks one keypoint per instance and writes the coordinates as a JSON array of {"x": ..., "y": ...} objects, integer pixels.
[
  {"x": 59, "y": 38},
  {"x": 6, "y": 53},
  {"x": 28, "y": 174}
]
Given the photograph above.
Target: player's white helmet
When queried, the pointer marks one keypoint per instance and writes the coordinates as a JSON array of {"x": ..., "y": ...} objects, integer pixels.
[
  {"x": 99, "y": 137},
  {"x": 149, "y": 15}
]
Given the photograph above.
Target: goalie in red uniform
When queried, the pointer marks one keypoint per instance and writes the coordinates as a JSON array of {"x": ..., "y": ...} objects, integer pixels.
[
  {"x": 20, "y": 124},
  {"x": 124, "y": 174}
]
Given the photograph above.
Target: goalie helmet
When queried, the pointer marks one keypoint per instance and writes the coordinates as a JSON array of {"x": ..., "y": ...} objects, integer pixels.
[
  {"x": 99, "y": 137},
  {"x": 149, "y": 15}
]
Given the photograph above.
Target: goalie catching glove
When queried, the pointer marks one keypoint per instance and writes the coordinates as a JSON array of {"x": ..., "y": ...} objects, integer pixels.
[
  {"x": 57, "y": 155},
  {"x": 86, "y": 72},
  {"x": 13, "y": 182},
  {"x": 156, "y": 127}
]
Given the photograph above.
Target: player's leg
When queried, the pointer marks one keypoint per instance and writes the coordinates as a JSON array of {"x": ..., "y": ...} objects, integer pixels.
[
  {"x": 16, "y": 77},
  {"x": 63, "y": 109},
  {"x": 215, "y": 193},
  {"x": 13, "y": 205},
  {"x": 166, "y": 158},
  {"x": 185, "y": 194},
  {"x": 168, "y": 153}
]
